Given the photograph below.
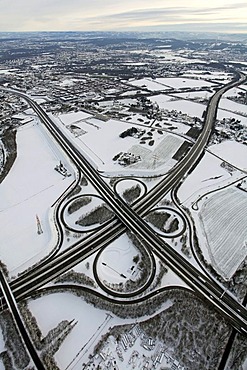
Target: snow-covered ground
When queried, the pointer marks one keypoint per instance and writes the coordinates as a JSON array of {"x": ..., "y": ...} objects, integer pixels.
[
  {"x": 232, "y": 152},
  {"x": 128, "y": 183},
  {"x": 194, "y": 109},
  {"x": 215, "y": 76},
  {"x": 94, "y": 142},
  {"x": 30, "y": 189},
  {"x": 32, "y": 186},
  {"x": 232, "y": 92},
  {"x": 39, "y": 100},
  {"x": 7, "y": 71},
  {"x": 180, "y": 83},
  {"x": 115, "y": 263},
  {"x": 161, "y": 99},
  {"x": 195, "y": 94},
  {"x": 73, "y": 117},
  {"x": 160, "y": 156},
  {"x": 227, "y": 114},
  {"x": 166, "y": 83},
  {"x": 191, "y": 108},
  {"x": 67, "y": 82},
  {"x": 50, "y": 310},
  {"x": 169, "y": 56},
  {"x": 210, "y": 175},
  {"x": 91, "y": 324},
  {"x": 173, "y": 215},
  {"x": 205, "y": 183},
  {"x": 223, "y": 219},
  {"x": 149, "y": 83},
  {"x": 233, "y": 106}
]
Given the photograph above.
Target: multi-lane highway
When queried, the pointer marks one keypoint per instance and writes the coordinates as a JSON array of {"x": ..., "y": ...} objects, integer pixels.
[
  {"x": 210, "y": 290},
  {"x": 9, "y": 298},
  {"x": 192, "y": 156}
]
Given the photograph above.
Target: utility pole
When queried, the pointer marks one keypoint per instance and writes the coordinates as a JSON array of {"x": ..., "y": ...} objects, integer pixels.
[
  {"x": 39, "y": 228},
  {"x": 155, "y": 159}
]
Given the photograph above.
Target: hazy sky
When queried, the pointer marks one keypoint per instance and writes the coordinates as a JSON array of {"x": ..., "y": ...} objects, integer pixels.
[{"x": 122, "y": 15}]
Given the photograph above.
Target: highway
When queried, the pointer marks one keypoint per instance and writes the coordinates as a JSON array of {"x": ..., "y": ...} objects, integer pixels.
[
  {"x": 184, "y": 165},
  {"x": 210, "y": 290},
  {"x": 13, "y": 308}
]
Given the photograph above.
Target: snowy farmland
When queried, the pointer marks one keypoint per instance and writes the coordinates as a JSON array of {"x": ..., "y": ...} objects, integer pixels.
[
  {"x": 205, "y": 182},
  {"x": 232, "y": 152},
  {"x": 223, "y": 218},
  {"x": 191, "y": 108},
  {"x": 30, "y": 189},
  {"x": 101, "y": 142},
  {"x": 170, "y": 83},
  {"x": 202, "y": 94},
  {"x": 162, "y": 155},
  {"x": 74, "y": 117},
  {"x": 180, "y": 83},
  {"x": 222, "y": 113},
  {"x": 212, "y": 75},
  {"x": 194, "y": 109},
  {"x": 149, "y": 84},
  {"x": 233, "y": 106},
  {"x": 207, "y": 176}
]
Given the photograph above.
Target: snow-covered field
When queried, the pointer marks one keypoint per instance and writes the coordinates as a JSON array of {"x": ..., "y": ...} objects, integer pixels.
[
  {"x": 150, "y": 84},
  {"x": 232, "y": 92},
  {"x": 73, "y": 117},
  {"x": 232, "y": 152},
  {"x": 222, "y": 211},
  {"x": 39, "y": 100},
  {"x": 181, "y": 83},
  {"x": 226, "y": 114},
  {"x": 91, "y": 323},
  {"x": 233, "y": 106},
  {"x": 95, "y": 141},
  {"x": 161, "y": 99},
  {"x": 30, "y": 189},
  {"x": 167, "y": 83},
  {"x": 223, "y": 218},
  {"x": 67, "y": 82},
  {"x": 195, "y": 94},
  {"x": 101, "y": 142},
  {"x": 169, "y": 56},
  {"x": 215, "y": 76},
  {"x": 210, "y": 175},
  {"x": 7, "y": 71},
  {"x": 194, "y": 109},
  {"x": 191, "y": 108},
  {"x": 207, "y": 176},
  {"x": 160, "y": 156}
]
